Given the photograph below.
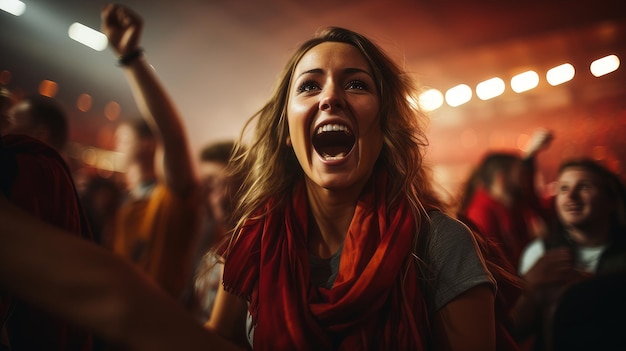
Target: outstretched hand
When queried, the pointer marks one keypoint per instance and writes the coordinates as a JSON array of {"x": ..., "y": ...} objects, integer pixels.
[
  {"x": 123, "y": 27},
  {"x": 539, "y": 141}
]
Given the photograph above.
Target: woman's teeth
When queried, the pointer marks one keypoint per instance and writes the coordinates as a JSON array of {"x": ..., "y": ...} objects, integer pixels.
[
  {"x": 333, "y": 128},
  {"x": 336, "y": 157},
  {"x": 333, "y": 141}
]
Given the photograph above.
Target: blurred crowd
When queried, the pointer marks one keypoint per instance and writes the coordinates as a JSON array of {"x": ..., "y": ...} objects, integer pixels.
[{"x": 556, "y": 262}]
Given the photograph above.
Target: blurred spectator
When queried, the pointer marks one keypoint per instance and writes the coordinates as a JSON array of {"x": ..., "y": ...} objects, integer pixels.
[
  {"x": 101, "y": 198},
  {"x": 500, "y": 199},
  {"x": 587, "y": 238},
  {"x": 213, "y": 160},
  {"x": 157, "y": 224},
  {"x": 216, "y": 184},
  {"x": 40, "y": 117},
  {"x": 34, "y": 177}
]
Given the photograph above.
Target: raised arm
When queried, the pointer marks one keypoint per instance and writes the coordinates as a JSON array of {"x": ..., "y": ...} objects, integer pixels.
[
  {"x": 540, "y": 140},
  {"x": 123, "y": 28},
  {"x": 89, "y": 286}
]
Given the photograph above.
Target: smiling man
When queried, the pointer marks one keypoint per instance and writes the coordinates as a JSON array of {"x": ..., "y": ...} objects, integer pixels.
[{"x": 587, "y": 239}]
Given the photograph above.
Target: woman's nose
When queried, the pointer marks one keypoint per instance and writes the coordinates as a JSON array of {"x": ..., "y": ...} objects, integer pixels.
[{"x": 331, "y": 98}]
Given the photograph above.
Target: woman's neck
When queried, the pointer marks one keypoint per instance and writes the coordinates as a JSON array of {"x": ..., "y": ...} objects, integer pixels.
[{"x": 330, "y": 218}]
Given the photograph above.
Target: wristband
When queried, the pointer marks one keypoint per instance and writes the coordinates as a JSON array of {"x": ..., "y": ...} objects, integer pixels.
[{"x": 129, "y": 57}]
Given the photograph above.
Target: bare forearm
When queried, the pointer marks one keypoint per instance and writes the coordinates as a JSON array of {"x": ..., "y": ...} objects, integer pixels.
[
  {"x": 158, "y": 109},
  {"x": 51, "y": 266},
  {"x": 87, "y": 285},
  {"x": 228, "y": 318}
]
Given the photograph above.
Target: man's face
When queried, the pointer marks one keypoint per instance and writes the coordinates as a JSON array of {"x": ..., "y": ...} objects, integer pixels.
[
  {"x": 132, "y": 149},
  {"x": 581, "y": 199},
  {"x": 214, "y": 178}
]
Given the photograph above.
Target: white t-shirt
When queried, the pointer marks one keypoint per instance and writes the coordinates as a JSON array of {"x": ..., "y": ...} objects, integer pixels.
[{"x": 587, "y": 258}]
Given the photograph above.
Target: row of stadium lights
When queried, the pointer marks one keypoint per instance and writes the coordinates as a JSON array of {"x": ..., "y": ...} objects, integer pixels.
[
  {"x": 433, "y": 99},
  {"x": 429, "y": 100}
]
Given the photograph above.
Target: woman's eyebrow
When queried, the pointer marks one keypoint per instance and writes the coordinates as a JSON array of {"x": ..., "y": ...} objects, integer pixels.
[
  {"x": 311, "y": 71},
  {"x": 349, "y": 70}
]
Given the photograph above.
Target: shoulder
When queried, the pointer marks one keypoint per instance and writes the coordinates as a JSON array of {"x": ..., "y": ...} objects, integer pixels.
[
  {"x": 449, "y": 239},
  {"x": 42, "y": 183},
  {"x": 448, "y": 231},
  {"x": 453, "y": 260},
  {"x": 442, "y": 221}
]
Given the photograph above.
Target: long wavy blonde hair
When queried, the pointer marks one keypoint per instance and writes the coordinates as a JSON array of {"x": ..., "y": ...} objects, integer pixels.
[{"x": 265, "y": 167}]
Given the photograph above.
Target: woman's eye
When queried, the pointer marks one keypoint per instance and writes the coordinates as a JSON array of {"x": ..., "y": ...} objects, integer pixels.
[
  {"x": 307, "y": 86},
  {"x": 357, "y": 84}
]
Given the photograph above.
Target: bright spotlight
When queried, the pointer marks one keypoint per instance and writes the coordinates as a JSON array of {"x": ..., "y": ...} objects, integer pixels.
[
  {"x": 490, "y": 88},
  {"x": 560, "y": 74},
  {"x": 88, "y": 36},
  {"x": 13, "y": 7},
  {"x": 458, "y": 95},
  {"x": 430, "y": 100},
  {"x": 524, "y": 81},
  {"x": 604, "y": 65}
]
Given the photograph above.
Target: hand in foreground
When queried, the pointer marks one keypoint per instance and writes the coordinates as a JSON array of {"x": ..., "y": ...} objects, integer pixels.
[{"x": 555, "y": 268}]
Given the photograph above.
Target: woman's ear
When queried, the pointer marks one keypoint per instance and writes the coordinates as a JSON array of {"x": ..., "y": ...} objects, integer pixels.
[{"x": 288, "y": 141}]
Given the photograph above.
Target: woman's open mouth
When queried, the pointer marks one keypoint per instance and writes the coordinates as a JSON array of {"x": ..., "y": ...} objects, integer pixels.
[{"x": 333, "y": 141}]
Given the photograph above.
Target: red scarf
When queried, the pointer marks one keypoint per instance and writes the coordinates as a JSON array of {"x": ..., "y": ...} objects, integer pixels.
[{"x": 375, "y": 303}]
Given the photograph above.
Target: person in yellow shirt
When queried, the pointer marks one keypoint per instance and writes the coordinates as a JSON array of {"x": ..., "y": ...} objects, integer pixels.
[{"x": 156, "y": 226}]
